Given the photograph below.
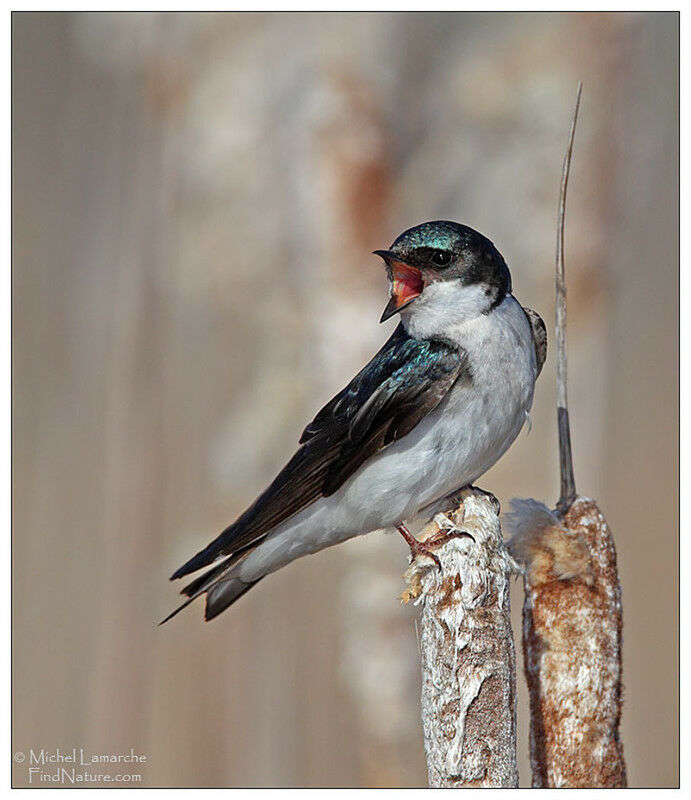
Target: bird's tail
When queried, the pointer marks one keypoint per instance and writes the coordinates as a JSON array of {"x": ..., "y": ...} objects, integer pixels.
[
  {"x": 213, "y": 551},
  {"x": 221, "y": 585}
]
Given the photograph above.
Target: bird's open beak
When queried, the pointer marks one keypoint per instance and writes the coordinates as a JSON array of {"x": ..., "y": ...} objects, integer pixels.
[{"x": 406, "y": 283}]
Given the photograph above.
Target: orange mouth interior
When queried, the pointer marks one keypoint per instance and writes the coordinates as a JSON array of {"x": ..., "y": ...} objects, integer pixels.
[{"x": 406, "y": 283}]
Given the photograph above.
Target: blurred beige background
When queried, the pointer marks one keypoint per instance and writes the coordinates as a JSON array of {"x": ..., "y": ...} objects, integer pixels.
[{"x": 195, "y": 201}]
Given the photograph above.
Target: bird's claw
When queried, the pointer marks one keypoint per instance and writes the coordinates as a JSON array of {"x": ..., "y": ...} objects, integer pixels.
[
  {"x": 445, "y": 535},
  {"x": 426, "y": 547},
  {"x": 417, "y": 548}
]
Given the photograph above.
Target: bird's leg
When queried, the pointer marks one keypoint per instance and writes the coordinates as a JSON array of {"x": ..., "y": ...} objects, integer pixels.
[
  {"x": 417, "y": 548},
  {"x": 439, "y": 539},
  {"x": 446, "y": 534}
]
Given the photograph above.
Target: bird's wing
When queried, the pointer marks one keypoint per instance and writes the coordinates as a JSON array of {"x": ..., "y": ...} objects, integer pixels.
[
  {"x": 371, "y": 375},
  {"x": 404, "y": 381},
  {"x": 539, "y": 337}
]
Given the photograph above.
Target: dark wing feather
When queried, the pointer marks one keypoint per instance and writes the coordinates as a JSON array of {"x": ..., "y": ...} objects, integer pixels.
[
  {"x": 382, "y": 366},
  {"x": 539, "y": 336},
  {"x": 385, "y": 401},
  {"x": 392, "y": 411}
]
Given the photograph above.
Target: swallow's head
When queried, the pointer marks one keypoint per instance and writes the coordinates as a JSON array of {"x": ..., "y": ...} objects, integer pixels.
[{"x": 440, "y": 264}]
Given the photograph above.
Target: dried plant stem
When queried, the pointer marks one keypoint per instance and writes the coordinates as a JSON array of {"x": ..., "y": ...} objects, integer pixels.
[
  {"x": 467, "y": 650},
  {"x": 568, "y": 483}
]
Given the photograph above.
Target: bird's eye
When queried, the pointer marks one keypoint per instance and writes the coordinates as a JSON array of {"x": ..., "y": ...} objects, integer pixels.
[{"x": 441, "y": 258}]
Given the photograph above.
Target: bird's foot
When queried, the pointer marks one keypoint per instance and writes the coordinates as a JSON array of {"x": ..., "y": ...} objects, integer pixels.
[
  {"x": 417, "y": 548},
  {"x": 446, "y": 534},
  {"x": 439, "y": 539}
]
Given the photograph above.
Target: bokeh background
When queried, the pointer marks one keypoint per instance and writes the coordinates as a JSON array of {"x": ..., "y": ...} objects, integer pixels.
[{"x": 195, "y": 201}]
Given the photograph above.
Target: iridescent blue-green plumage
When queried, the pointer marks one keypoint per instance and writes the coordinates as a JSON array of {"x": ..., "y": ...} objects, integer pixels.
[
  {"x": 403, "y": 364},
  {"x": 473, "y": 257},
  {"x": 440, "y": 234}
]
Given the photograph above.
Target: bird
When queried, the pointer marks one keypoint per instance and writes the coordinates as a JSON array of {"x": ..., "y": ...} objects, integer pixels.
[{"x": 435, "y": 408}]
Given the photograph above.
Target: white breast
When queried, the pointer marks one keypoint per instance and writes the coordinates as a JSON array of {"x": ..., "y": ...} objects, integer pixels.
[{"x": 485, "y": 416}]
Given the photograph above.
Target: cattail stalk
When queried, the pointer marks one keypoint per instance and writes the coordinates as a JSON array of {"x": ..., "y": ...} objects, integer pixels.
[
  {"x": 466, "y": 648},
  {"x": 572, "y": 622},
  {"x": 572, "y": 614}
]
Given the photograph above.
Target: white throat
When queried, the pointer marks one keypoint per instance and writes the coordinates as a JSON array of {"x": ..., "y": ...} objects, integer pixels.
[{"x": 445, "y": 305}]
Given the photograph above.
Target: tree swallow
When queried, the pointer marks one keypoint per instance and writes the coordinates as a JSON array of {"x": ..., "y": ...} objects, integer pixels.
[{"x": 434, "y": 409}]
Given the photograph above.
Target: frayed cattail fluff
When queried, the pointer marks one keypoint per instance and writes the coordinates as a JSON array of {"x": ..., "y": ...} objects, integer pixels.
[{"x": 545, "y": 550}]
